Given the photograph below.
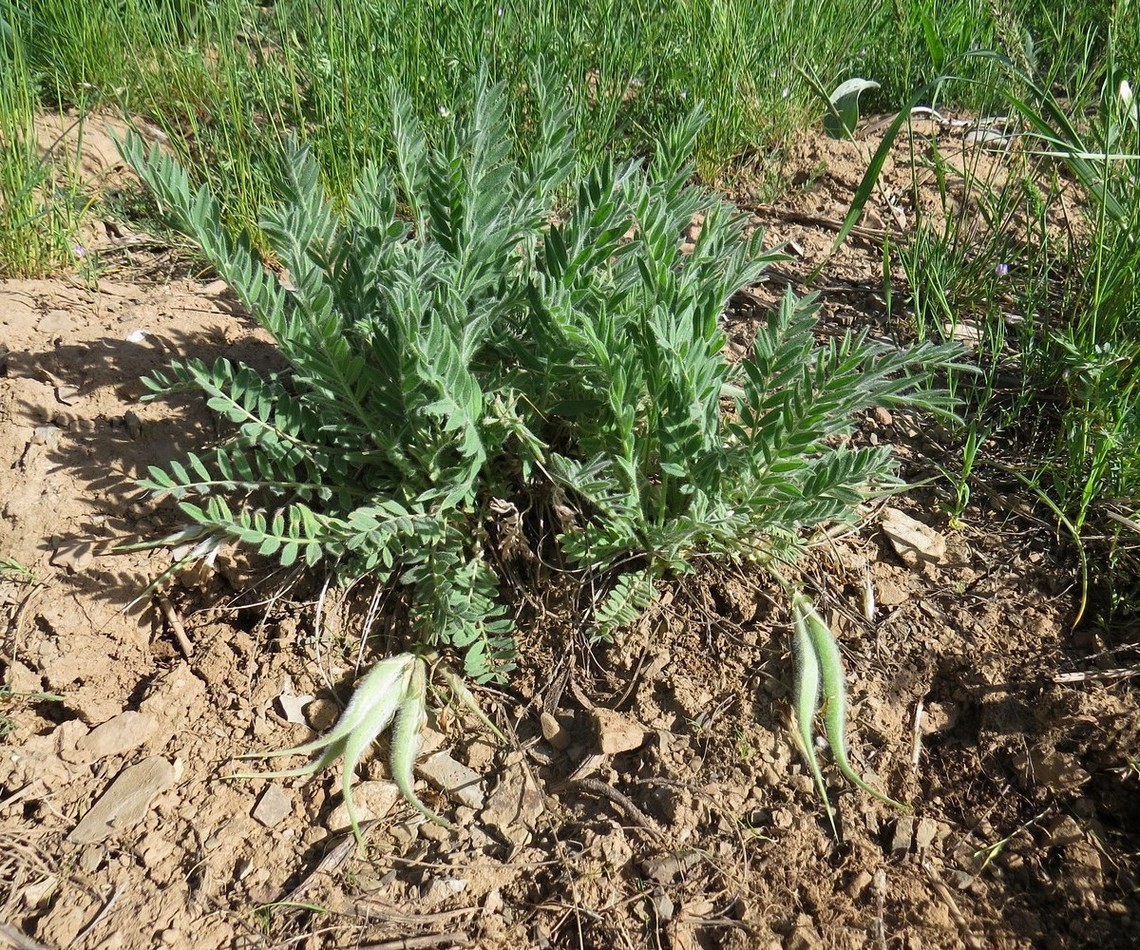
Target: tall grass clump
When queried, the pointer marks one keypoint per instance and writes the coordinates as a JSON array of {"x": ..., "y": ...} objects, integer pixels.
[
  {"x": 1090, "y": 354},
  {"x": 475, "y": 368},
  {"x": 38, "y": 204},
  {"x": 1049, "y": 304},
  {"x": 229, "y": 81}
]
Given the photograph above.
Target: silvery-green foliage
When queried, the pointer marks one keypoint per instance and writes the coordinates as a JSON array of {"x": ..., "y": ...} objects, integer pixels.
[{"x": 456, "y": 334}]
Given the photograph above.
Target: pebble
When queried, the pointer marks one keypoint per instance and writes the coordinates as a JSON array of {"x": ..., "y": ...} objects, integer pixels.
[
  {"x": 913, "y": 541},
  {"x": 663, "y": 905},
  {"x": 804, "y": 937},
  {"x": 274, "y": 806},
  {"x": 404, "y": 832},
  {"x": 124, "y": 732},
  {"x": 616, "y": 733},
  {"x": 456, "y": 780},
  {"x": 57, "y": 322},
  {"x": 322, "y": 714},
  {"x": 91, "y": 858},
  {"x": 903, "y": 834},
  {"x": 126, "y": 802},
  {"x": 553, "y": 732},
  {"x": 46, "y": 436},
  {"x": 372, "y": 800},
  {"x": 133, "y": 423},
  {"x": 75, "y": 557},
  {"x": 667, "y": 869},
  {"x": 292, "y": 706},
  {"x": 859, "y": 883},
  {"x": 441, "y": 888}
]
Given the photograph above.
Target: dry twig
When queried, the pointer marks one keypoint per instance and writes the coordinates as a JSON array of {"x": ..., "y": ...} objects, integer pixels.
[{"x": 175, "y": 623}]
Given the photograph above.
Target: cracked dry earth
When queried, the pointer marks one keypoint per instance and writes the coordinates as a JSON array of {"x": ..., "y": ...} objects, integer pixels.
[{"x": 651, "y": 794}]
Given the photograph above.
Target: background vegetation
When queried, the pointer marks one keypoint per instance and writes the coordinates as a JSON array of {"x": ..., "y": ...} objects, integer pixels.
[{"x": 228, "y": 82}]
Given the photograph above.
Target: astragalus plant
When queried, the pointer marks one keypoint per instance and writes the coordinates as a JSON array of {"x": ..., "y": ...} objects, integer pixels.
[{"x": 479, "y": 349}]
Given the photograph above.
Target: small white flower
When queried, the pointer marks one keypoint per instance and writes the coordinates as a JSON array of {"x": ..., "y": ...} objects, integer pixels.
[
  {"x": 1128, "y": 105},
  {"x": 444, "y": 111}
]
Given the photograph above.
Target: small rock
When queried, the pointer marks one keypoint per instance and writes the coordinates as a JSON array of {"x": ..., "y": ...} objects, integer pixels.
[
  {"x": 56, "y": 322},
  {"x": 404, "y": 832},
  {"x": 667, "y": 869},
  {"x": 68, "y": 395},
  {"x": 890, "y": 593},
  {"x": 47, "y": 436},
  {"x": 441, "y": 888},
  {"x": 872, "y": 219},
  {"x": 292, "y": 706},
  {"x": 674, "y": 802},
  {"x": 273, "y": 807},
  {"x": 454, "y": 779},
  {"x": 480, "y": 753},
  {"x": 1065, "y": 832},
  {"x": 126, "y": 802},
  {"x": 124, "y": 732},
  {"x": 91, "y": 858},
  {"x": 903, "y": 835},
  {"x": 154, "y": 849},
  {"x": 67, "y": 737},
  {"x": 926, "y": 832},
  {"x": 940, "y": 717},
  {"x": 804, "y": 937},
  {"x": 514, "y": 807},
  {"x": 859, "y": 883},
  {"x": 1050, "y": 769},
  {"x": 616, "y": 733},
  {"x": 73, "y": 556},
  {"x": 133, "y": 423},
  {"x": 431, "y": 738},
  {"x": 38, "y": 894},
  {"x": 492, "y": 903},
  {"x": 663, "y": 905},
  {"x": 372, "y": 800},
  {"x": 883, "y": 416},
  {"x": 430, "y": 831},
  {"x": 322, "y": 714},
  {"x": 913, "y": 541},
  {"x": 553, "y": 732},
  {"x": 22, "y": 678}
]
